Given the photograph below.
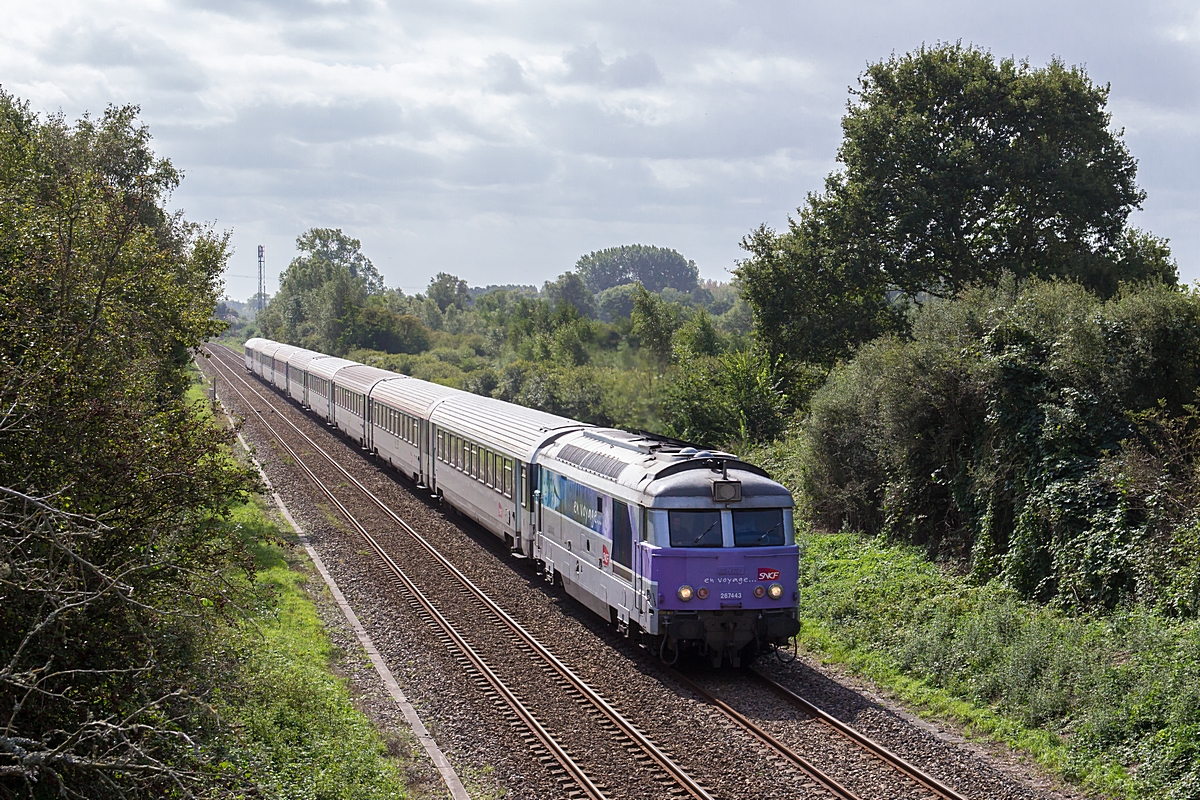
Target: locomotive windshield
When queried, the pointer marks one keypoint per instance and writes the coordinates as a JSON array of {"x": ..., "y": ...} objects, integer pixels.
[
  {"x": 758, "y": 527},
  {"x": 695, "y": 528}
]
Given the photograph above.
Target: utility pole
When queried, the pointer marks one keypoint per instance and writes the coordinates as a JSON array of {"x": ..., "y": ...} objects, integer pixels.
[{"x": 262, "y": 275}]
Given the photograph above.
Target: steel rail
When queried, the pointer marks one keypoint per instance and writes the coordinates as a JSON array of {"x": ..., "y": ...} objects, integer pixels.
[
  {"x": 627, "y": 728},
  {"x": 862, "y": 740},
  {"x": 746, "y": 724}
]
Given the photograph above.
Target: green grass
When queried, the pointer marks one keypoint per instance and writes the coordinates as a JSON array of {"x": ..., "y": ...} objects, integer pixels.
[
  {"x": 1111, "y": 702},
  {"x": 296, "y": 733}
]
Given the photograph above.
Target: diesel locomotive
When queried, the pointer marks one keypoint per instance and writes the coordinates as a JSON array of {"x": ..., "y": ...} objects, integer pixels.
[{"x": 678, "y": 547}]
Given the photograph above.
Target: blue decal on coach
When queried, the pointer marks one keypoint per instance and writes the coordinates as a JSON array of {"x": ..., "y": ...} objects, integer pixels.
[{"x": 576, "y": 501}]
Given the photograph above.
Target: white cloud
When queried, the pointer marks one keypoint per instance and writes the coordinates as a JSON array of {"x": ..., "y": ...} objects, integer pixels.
[{"x": 501, "y": 140}]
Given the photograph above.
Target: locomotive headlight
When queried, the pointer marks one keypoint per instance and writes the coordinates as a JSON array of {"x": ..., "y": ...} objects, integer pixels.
[
  {"x": 775, "y": 590},
  {"x": 760, "y": 591},
  {"x": 685, "y": 593},
  {"x": 702, "y": 593}
]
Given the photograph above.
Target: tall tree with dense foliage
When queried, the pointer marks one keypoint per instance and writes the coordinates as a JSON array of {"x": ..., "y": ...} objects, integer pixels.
[
  {"x": 656, "y": 268},
  {"x": 569, "y": 289},
  {"x": 448, "y": 290},
  {"x": 655, "y": 321},
  {"x": 322, "y": 292},
  {"x": 956, "y": 168},
  {"x": 109, "y": 482}
]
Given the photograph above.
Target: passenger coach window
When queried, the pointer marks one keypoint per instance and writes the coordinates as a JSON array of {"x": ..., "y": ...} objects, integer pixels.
[
  {"x": 695, "y": 528},
  {"x": 758, "y": 528}
]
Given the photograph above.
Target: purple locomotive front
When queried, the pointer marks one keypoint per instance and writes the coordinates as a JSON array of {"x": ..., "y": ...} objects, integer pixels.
[{"x": 720, "y": 559}]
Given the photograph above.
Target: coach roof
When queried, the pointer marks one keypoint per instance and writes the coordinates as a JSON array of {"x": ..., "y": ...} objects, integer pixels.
[
  {"x": 269, "y": 348},
  {"x": 361, "y": 378},
  {"x": 414, "y": 397},
  {"x": 301, "y": 358},
  {"x": 326, "y": 367},
  {"x": 283, "y": 354},
  {"x": 509, "y": 428}
]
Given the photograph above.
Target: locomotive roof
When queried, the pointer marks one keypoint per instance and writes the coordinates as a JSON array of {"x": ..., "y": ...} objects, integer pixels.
[
  {"x": 658, "y": 467},
  {"x": 360, "y": 378},
  {"x": 511, "y": 428},
  {"x": 413, "y": 396}
]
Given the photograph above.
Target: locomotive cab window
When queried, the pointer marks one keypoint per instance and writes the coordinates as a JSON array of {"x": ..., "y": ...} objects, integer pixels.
[
  {"x": 695, "y": 528},
  {"x": 760, "y": 527}
]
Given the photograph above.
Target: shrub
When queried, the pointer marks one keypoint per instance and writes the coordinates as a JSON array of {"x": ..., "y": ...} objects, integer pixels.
[{"x": 1034, "y": 431}]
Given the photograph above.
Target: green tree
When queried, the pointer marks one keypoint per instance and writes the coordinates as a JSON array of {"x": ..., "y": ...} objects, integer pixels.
[
  {"x": 959, "y": 168},
  {"x": 321, "y": 292},
  {"x": 380, "y": 328},
  {"x": 725, "y": 401},
  {"x": 810, "y": 304},
  {"x": 109, "y": 482},
  {"x": 656, "y": 268},
  {"x": 956, "y": 169},
  {"x": 323, "y": 251},
  {"x": 448, "y": 290},
  {"x": 654, "y": 321},
  {"x": 570, "y": 289},
  {"x": 697, "y": 336},
  {"x": 616, "y": 302}
]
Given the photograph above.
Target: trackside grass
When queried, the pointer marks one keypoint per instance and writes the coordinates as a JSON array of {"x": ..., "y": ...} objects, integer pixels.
[
  {"x": 290, "y": 728},
  {"x": 1112, "y": 701},
  {"x": 294, "y": 729}
]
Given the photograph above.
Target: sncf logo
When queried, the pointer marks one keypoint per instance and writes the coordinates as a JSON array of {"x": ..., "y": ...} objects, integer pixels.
[{"x": 765, "y": 574}]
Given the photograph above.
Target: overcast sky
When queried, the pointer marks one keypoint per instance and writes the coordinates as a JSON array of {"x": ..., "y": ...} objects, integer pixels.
[{"x": 501, "y": 140}]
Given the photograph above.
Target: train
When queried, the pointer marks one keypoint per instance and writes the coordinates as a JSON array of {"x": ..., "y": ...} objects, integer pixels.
[{"x": 682, "y": 548}]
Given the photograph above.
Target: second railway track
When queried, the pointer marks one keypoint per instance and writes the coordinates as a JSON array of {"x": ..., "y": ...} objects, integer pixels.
[{"x": 650, "y": 771}]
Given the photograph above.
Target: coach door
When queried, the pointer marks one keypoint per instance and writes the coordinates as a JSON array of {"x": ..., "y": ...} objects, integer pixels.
[
  {"x": 535, "y": 498},
  {"x": 622, "y": 533},
  {"x": 433, "y": 458}
]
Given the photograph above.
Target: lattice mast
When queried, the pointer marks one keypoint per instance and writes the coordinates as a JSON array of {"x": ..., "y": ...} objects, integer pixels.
[{"x": 262, "y": 276}]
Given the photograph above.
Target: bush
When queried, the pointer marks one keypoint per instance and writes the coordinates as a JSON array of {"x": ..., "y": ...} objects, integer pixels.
[
  {"x": 1033, "y": 431},
  {"x": 724, "y": 401}
]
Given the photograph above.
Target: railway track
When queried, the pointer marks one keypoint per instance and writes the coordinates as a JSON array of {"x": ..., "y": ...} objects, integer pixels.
[
  {"x": 907, "y": 771},
  {"x": 910, "y": 771},
  {"x": 674, "y": 781}
]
